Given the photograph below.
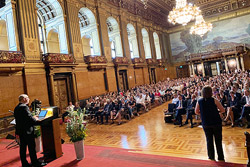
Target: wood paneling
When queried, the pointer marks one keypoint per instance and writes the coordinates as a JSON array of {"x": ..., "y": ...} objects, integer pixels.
[
  {"x": 10, "y": 88},
  {"x": 90, "y": 84},
  {"x": 139, "y": 76},
  {"x": 37, "y": 88}
]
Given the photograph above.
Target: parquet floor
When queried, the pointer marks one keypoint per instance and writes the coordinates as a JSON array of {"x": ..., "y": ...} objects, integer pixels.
[{"x": 149, "y": 134}]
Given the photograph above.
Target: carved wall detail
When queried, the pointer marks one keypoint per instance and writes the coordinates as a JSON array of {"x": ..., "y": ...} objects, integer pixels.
[
  {"x": 11, "y": 57},
  {"x": 58, "y": 58}
]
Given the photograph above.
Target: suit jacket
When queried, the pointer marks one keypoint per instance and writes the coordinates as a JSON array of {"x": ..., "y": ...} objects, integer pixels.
[
  {"x": 24, "y": 120},
  {"x": 184, "y": 104},
  {"x": 191, "y": 104}
]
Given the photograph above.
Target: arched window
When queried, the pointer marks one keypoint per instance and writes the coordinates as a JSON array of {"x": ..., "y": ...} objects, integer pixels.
[
  {"x": 4, "y": 44},
  {"x": 91, "y": 47},
  {"x": 157, "y": 45},
  {"x": 41, "y": 34},
  {"x": 114, "y": 37},
  {"x": 113, "y": 51},
  {"x": 131, "y": 50},
  {"x": 8, "y": 40},
  {"x": 89, "y": 32},
  {"x": 52, "y": 26},
  {"x": 53, "y": 41},
  {"x": 146, "y": 44},
  {"x": 133, "y": 45}
]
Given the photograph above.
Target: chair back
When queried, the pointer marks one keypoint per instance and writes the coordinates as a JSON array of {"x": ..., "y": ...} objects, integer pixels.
[{"x": 171, "y": 107}]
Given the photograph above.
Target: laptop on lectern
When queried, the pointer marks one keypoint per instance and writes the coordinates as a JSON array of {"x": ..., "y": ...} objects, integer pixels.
[{"x": 42, "y": 114}]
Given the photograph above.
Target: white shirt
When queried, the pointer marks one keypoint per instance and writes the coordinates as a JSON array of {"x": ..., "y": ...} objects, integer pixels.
[
  {"x": 247, "y": 100},
  {"x": 175, "y": 100}
]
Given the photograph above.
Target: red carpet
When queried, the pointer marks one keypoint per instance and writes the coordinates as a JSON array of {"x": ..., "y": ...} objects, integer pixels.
[{"x": 107, "y": 157}]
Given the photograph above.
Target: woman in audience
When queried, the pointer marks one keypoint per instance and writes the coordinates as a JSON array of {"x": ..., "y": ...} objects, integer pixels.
[{"x": 233, "y": 108}]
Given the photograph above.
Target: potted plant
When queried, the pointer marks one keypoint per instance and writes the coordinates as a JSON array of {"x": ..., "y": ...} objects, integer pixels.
[{"x": 76, "y": 129}]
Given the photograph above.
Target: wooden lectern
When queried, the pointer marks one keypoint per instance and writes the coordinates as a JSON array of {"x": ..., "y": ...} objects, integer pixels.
[{"x": 51, "y": 138}]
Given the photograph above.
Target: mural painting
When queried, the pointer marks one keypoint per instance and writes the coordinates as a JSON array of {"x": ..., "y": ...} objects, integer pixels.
[{"x": 224, "y": 35}]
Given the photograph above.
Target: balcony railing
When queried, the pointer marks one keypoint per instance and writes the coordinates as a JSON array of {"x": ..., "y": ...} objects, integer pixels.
[
  {"x": 58, "y": 58},
  {"x": 95, "y": 62},
  {"x": 151, "y": 62},
  {"x": 11, "y": 57},
  {"x": 120, "y": 61}
]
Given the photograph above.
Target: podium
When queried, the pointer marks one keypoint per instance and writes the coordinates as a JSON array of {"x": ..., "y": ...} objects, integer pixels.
[{"x": 51, "y": 137}]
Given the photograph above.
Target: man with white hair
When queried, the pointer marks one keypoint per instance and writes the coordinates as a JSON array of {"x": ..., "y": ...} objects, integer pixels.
[{"x": 25, "y": 130}]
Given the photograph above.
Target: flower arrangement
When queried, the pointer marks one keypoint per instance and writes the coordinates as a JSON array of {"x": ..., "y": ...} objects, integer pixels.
[{"x": 76, "y": 127}]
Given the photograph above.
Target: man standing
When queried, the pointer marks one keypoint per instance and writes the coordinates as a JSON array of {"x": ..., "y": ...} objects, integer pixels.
[{"x": 25, "y": 130}]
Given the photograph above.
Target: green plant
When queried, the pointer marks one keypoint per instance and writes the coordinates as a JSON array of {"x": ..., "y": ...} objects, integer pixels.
[
  {"x": 37, "y": 131},
  {"x": 76, "y": 127}
]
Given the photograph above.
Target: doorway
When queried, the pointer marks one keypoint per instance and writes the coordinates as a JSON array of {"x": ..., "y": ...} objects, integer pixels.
[
  {"x": 63, "y": 91},
  {"x": 152, "y": 77},
  {"x": 123, "y": 80}
]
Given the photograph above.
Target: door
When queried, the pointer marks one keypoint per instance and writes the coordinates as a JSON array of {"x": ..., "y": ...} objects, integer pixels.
[
  {"x": 123, "y": 80},
  {"x": 153, "y": 76},
  {"x": 61, "y": 93}
]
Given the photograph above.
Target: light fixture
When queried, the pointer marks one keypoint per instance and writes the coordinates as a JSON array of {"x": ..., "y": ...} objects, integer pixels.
[
  {"x": 145, "y": 3},
  {"x": 183, "y": 13},
  {"x": 201, "y": 27}
]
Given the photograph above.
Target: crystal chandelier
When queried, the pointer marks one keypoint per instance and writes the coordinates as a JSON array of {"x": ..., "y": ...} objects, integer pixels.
[
  {"x": 183, "y": 13},
  {"x": 145, "y": 3},
  {"x": 201, "y": 27}
]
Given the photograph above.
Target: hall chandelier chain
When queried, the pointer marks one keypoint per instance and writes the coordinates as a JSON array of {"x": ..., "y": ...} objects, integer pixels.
[
  {"x": 183, "y": 13},
  {"x": 145, "y": 3}
]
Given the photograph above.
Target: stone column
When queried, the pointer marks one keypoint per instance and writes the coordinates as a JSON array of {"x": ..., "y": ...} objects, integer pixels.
[
  {"x": 30, "y": 37},
  {"x": 103, "y": 33},
  {"x": 192, "y": 64},
  {"x": 237, "y": 63},
  {"x": 51, "y": 80},
  {"x": 152, "y": 43},
  {"x": 203, "y": 69},
  {"x": 73, "y": 28},
  {"x": 124, "y": 35},
  {"x": 242, "y": 62},
  {"x": 74, "y": 86},
  {"x": 190, "y": 69},
  {"x": 226, "y": 66},
  {"x": 140, "y": 40}
]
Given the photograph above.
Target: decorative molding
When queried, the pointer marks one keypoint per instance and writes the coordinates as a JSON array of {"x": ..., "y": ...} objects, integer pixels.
[
  {"x": 95, "y": 62},
  {"x": 121, "y": 61},
  {"x": 151, "y": 62},
  {"x": 11, "y": 57},
  {"x": 217, "y": 54},
  {"x": 58, "y": 58}
]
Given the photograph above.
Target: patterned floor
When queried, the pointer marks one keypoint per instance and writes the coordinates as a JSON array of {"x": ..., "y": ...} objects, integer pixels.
[{"x": 149, "y": 134}]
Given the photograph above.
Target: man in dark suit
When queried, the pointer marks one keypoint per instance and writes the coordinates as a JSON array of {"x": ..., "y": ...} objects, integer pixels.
[
  {"x": 190, "y": 110},
  {"x": 25, "y": 130},
  {"x": 180, "y": 110}
]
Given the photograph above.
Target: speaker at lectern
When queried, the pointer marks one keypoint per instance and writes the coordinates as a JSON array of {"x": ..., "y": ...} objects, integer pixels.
[{"x": 51, "y": 135}]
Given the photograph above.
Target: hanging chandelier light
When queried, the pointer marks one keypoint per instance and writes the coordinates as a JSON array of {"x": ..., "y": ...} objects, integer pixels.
[
  {"x": 145, "y": 3},
  {"x": 201, "y": 27},
  {"x": 183, "y": 13}
]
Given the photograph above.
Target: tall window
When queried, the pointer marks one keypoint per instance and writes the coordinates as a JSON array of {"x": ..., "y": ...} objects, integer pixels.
[
  {"x": 113, "y": 51},
  {"x": 131, "y": 50},
  {"x": 40, "y": 28},
  {"x": 91, "y": 47}
]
